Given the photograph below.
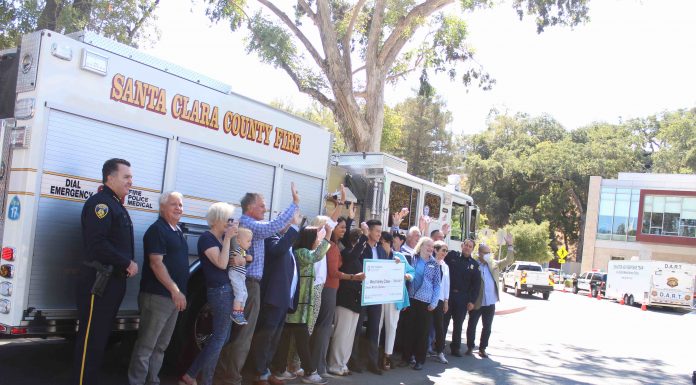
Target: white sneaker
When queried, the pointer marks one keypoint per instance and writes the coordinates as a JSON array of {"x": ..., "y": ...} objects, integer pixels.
[
  {"x": 441, "y": 358},
  {"x": 299, "y": 372},
  {"x": 314, "y": 378},
  {"x": 286, "y": 376}
]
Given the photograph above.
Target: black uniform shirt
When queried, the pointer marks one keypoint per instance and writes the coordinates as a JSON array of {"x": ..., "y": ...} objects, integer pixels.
[
  {"x": 107, "y": 230},
  {"x": 465, "y": 276}
]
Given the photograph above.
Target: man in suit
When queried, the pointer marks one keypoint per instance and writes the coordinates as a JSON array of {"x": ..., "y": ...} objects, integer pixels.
[
  {"x": 488, "y": 295},
  {"x": 373, "y": 313},
  {"x": 278, "y": 297}
]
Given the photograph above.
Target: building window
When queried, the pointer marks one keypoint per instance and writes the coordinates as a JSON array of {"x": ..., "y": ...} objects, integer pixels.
[
  {"x": 618, "y": 214},
  {"x": 669, "y": 215}
]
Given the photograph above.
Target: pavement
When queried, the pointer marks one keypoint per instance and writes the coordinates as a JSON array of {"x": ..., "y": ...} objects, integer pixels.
[{"x": 567, "y": 340}]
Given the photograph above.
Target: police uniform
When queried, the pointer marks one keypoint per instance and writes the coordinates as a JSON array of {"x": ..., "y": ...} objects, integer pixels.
[
  {"x": 107, "y": 236},
  {"x": 465, "y": 279}
]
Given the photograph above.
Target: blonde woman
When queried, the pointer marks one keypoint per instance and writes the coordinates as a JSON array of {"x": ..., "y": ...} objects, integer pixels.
[{"x": 214, "y": 251}]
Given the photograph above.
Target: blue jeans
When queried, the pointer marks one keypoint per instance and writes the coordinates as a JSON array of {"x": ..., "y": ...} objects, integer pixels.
[{"x": 220, "y": 302}]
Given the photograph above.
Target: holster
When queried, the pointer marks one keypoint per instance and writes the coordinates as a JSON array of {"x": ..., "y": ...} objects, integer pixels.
[{"x": 102, "y": 277}]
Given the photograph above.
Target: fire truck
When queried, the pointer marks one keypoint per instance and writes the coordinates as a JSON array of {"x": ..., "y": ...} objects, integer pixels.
[{"x": 69, "y": 102}]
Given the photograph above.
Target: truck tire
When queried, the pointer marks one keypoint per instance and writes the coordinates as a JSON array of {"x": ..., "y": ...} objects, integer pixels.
[
  {"x": 546, "y": 295},
  {"x": 518, "y": 291},
  {"x": 625, "y": 299},
  {"x": 594, "y": 293},
  {"x": 575, "y": 289},
  {"x": 630, "y": 301}
]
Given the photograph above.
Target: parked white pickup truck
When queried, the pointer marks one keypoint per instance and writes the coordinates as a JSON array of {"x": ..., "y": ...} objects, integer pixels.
[{"x": 528, "y": 277}]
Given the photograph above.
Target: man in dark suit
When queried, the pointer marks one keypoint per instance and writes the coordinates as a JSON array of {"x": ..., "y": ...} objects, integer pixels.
[
  {"x": 372, "y": 250},
  {"x": 277, "y": 299}
]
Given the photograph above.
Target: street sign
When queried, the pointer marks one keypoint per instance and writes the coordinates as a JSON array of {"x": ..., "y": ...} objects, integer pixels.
[{"x": 562, "y": 252}]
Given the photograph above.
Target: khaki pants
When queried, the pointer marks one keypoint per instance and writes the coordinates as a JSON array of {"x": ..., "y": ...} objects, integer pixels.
[{"x": 342, "y": 340}]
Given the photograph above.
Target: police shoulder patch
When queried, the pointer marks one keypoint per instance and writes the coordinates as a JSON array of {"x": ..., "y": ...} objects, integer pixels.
[{"x": 101, "y": 210}]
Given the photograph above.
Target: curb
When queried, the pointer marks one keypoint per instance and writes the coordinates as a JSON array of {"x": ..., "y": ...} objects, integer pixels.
[{"x": 510, "y": 311}]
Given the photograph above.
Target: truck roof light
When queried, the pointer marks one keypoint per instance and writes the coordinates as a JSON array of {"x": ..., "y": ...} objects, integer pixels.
[
  {"x": 6, "y": 271},
  {"x": 61, "y": 51},
  {"x": 8, "y": 253},
  {"x": 5, "y": 289},
  {"x": 4, "y": 306}
]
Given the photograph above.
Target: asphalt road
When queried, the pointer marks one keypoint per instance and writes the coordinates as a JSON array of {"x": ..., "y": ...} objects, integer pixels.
[{"x": 570, "y": 339}]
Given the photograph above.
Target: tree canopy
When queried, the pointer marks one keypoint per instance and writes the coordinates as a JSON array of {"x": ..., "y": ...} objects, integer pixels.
[
  {"x": 128, "y": 21},
  {"x": 342, "y": 53}
]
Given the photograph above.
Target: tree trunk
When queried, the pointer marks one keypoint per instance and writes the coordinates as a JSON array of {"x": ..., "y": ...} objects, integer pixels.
[
  {"x": 578, "y": 203},
  {"x": 49, "y": 16}
]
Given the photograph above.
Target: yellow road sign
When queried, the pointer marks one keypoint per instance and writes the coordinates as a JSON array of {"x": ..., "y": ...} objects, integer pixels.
[{"x": 562, "y": 253}]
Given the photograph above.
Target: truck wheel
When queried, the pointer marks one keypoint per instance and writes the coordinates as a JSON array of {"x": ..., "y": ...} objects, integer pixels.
[
  {"x": 546, "y": 295},
  {"x": 630, "y": 301},
  {"x": 625, "y": 299},
  {"x": 518, "y": 291},
  {"x": 575, "y": 289},
  {"x": 594, "y": 293}
]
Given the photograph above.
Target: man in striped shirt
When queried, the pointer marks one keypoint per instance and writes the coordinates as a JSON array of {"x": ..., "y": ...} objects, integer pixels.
[{"x": 234, "y": 354}]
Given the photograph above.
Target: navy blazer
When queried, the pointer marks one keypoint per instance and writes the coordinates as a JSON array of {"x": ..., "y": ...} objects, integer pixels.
[
  {"x": 367, "y": 252},
  {"x": 278, "y": 272}
]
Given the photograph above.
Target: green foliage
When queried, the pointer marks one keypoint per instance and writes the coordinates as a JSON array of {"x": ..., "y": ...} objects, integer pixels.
[
  {"x": 129, "y": 22},
  {"x": 426, "y": 143},
  {"x": 318, "y": 114},
  {"x": 528, "y": 169},
  {"x": 364, "y": 44},
  {"x": 531, "y": 241},
  {"x": 676, "y": 134}
]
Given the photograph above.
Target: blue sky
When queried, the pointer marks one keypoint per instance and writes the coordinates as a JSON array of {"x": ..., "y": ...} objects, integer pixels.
[{"x": 633, "y": 59}]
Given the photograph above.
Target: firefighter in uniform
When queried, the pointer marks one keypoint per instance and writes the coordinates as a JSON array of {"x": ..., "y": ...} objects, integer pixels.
[{"x": 107, "y": 236}]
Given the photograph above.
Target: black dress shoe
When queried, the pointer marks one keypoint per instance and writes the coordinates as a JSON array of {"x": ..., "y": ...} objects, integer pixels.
[
  {"x": 482, "y": 353},
  {"x": 418, "y": 366},
  {"x": 469, "y": 351},
  {"x": 374, "y": 369},
  {"x": 456, "y": 353},
  {"x": 355, "y": 368}
]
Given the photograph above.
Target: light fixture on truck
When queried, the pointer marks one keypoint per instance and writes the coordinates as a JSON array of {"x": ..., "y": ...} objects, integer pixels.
[
  {"x": 5, "y": 289},
  {"x": 24, "y": 108},
  {"x": 8, "y": 253},
  {"x": 94, "y": 62},
  {"x": 20, "y": 137},
  {"x": 6, "y": 271},
  {"x": 4, "y": 306},
  {"x": 61, "y": 51},
  {"x": 17, "y": 330}
]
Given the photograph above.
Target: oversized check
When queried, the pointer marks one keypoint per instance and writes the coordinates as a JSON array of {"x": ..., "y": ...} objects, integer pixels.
[{"x": 384, "y": 282}]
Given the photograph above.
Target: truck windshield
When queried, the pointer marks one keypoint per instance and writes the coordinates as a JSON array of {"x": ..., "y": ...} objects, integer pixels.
[{"x": 529, "y": 268}]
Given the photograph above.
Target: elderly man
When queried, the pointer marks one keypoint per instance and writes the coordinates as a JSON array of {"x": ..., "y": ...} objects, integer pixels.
[
  {"x": 488, "y": 295},
  {"x": 234, "y": 354},
  {"x": 162, "y": 290}
]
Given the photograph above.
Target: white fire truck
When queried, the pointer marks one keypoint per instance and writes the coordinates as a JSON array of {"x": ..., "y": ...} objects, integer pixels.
[{"x": 68, "y": 103}]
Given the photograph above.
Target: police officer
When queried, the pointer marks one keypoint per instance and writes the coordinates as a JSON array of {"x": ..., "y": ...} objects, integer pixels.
[
  {"x": 465, "y": 280},
  {"x": 107, "y": 236}
]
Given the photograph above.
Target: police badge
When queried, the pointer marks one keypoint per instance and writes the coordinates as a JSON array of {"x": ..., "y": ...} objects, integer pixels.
[{"x": 101, "y": 210}]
